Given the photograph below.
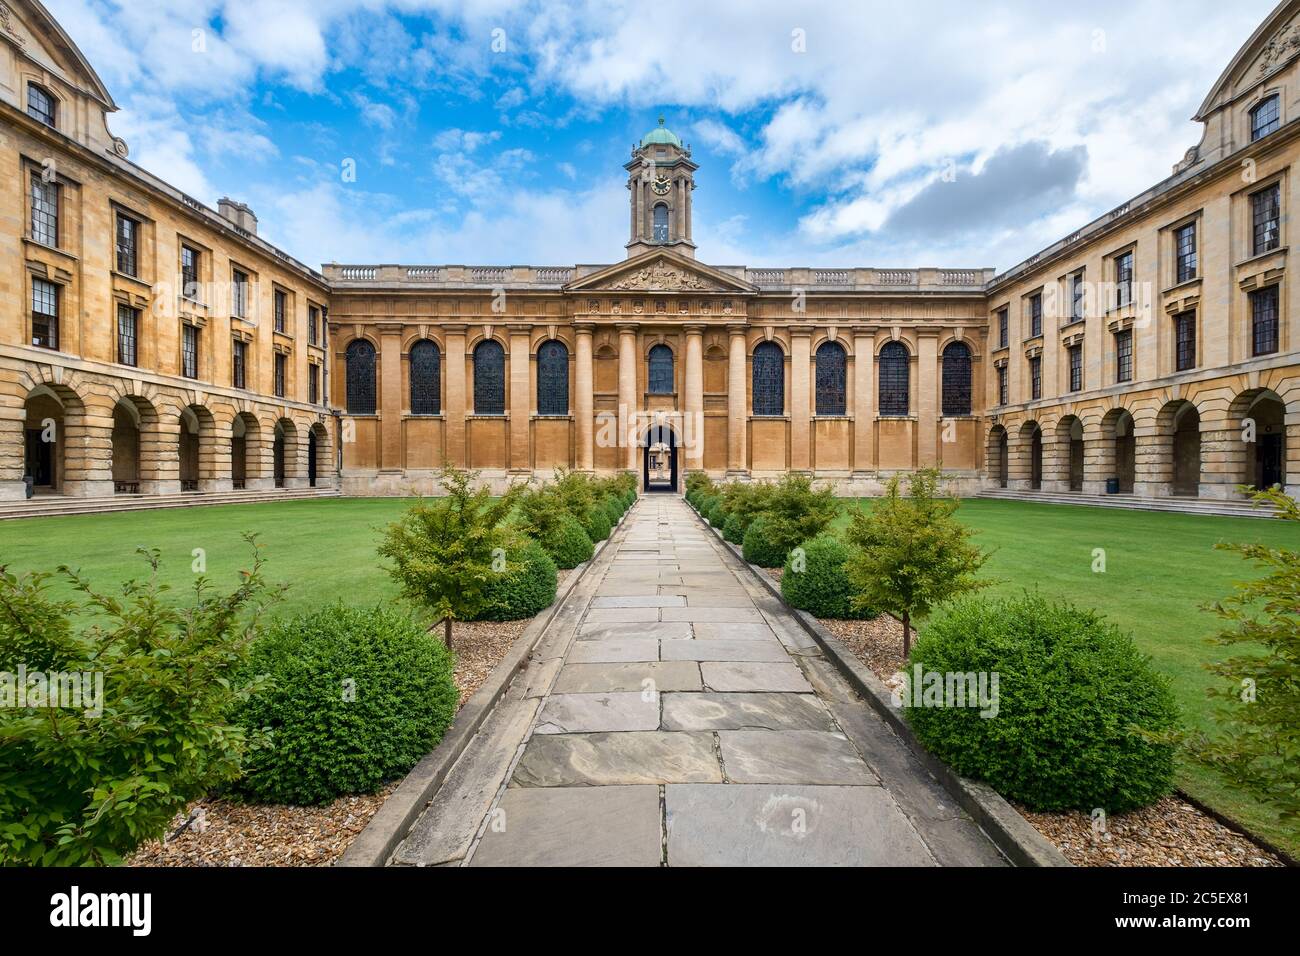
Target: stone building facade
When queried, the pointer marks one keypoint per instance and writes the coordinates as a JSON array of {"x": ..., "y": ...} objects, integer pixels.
[{"x": 1155, "y": 350}]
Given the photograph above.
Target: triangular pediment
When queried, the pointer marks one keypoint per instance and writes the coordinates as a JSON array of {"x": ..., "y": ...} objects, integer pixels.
[
  {"x": 1274, "y": 44},
  {"x": 38, "y": 36},
  {"x": 660, "y": 271}
]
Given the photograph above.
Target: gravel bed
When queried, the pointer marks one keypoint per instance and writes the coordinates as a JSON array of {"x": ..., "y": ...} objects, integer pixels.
[{"x": 1170, "y": 832}]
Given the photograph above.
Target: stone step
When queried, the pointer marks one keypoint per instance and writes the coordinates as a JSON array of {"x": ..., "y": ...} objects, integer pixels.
[
  {"x": 1183, "y": 505},
  {"x": 62, "y": 505}
]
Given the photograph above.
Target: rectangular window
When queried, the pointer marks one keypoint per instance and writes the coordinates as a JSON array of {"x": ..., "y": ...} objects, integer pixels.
[
  {"x": 1184, "y": 341},
  {"x": 1035, "y": 315},
  {"x": 281, "y": 305},
  {"x": 1002, "y": 384},
  {"x": 1076, "y": 297},
  {"x": 1265, "y": 118},
  {"x": 313, "y": 383},
  {"x": 190, "y": 351},
  {"x": 190, "y": 273},
  {"x": 280, "y": 364},
  {"x": 45, "y": 211},
  {"x": 1263, "y": 320},
  {"x": 239, "y": 364},
  {"x": 1076, "y": 368},
  {"x": 239, "y": 294},
  {"x": 1002, "y": 327},
  {"x": 313, "y": 320},
  {"x": 1185, "y": 253},
  {"x": 127, "y": 257},
  {"x": 1036, "y": 377},
  {"x": 1265, "y": 214},
  {"x": 45, "y": 314},
  {"x": 40, "y": 105},
  {"x": 1123, "y": 279},
  {"x": 1124, "y": 356},
  {"x": 128, "y": 322}
]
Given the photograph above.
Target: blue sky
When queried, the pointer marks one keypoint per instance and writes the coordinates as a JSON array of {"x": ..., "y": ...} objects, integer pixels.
[{"x": 492, "y": 131}]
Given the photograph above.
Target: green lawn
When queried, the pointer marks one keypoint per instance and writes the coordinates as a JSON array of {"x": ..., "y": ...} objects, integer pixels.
[{"x": 1160, "y": 568}]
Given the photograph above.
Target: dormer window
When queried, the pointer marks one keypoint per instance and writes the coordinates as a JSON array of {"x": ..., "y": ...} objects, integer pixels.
[
  {"x": 1265, "y": 117},
  {"x": 661, "y": 223},
  {"x": 40, "y": 104}
]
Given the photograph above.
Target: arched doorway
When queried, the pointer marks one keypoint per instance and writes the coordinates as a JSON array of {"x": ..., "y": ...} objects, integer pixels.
[
  {"x": 1180, "y": 424},
  {"x": 659, "y": 446},
  {"x": 998, "y": 455},
  {"x": 1069, "y": 434},
  {"x": 43, "y": 440},
  {"x": 126, "y": 448},
  {"x": 277, "y": 454},
  {"x": 1266, "y": 458},
  {"x": 311, "y": 458},
  {"x": 1030, "y": 456},
  {"x": 197, "y": 430},
  {"x": 1117, "y": 428},
  {"x": 241, "y": 431},
  {"x": 319, "y": 467}
]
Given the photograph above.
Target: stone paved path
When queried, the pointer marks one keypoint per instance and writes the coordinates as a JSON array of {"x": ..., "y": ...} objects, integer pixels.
[{"x": 674, "y": 714}]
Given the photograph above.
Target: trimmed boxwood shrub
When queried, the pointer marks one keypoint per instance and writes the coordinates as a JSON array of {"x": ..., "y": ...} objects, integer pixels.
[
  {"x": 356, "y": 697},
  {"x": 613, "y": 510},
  {"x": 569, "y": 546},
  {"x": 596, "y": 524},
  {"x": 718, "y": 514},
  {"x": 758, "y": 547},
  {"x": 524, "y": 592},
  {"x": 707, "y": 503},
  {"x": 733, "y": 529},
  {"x": 629, "y": 498},
  {"x": 821, "y": 587},
  {"x": 1073, "y": 692}
]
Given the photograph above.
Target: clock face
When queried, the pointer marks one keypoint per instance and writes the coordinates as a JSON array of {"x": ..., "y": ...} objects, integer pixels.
[{"x": 661, "y": 185}]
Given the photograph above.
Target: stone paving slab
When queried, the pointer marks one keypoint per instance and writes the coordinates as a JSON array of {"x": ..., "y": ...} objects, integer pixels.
[
  {"x": 733, "y": 632},
  {"x": 645, "y": 600},
  {"x": 583, "y": 826},
  {"x": 604, "y": 759},
  {"x": 602, "y": 678},
  {"x": 617, "y": 649},
  {"x": 723, "y": 649},
  {"x": 745, "y": 825},
  {"x": 707, "y": 711},
  {"x": 626, "y": 615},
  {"x": 618, "y": 632},
  {"x": 745, "y": 676},
  {"x": 595, "y": 713},
  {"x": 730, "y": 615},
  {"x": 792, "y": 756}
]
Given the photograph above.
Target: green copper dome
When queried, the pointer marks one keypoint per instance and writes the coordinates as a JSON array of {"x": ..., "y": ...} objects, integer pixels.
[{"x": 661, "y": 136}]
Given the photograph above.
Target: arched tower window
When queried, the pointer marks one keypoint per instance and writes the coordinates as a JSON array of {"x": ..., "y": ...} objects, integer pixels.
[
  {"x": 661, "y": 371},
  {"x": 893, "y": 380},
  {"x": 426, "y": 378},
  {"x": 361, "y": 378},
  {"x": 956, "y": 379},
  {"x": 769, "y": 379},
  {"x": 489, "y": 378},
  {"x": 661, "y": 223},
  {"x": 553, "y": 379},
  {"x": 831, "y": 378}
]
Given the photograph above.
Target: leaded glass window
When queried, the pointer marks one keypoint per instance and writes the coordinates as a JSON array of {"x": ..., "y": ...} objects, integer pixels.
[
  {"x": 239, "y": 364},
  {"x": 489, "y": 378},
  {"x": 1266, "y": 214},
  {"x": 552, "y": 379},
  {"x": 127, "y": 327},
  {"x": 45, "y": 211},
  {"x": 661, "y": 223},
  {"x": 426, "y": 378},
  {"x": 361, "y": 378},
  {"x": 1265, "y": 118},
  {"x": 127, "y": 229},
  {"x": 1263, "y": 318},
  {"x": 1185, "y": 341},
  {"x": 894, "y": 379},
  {"x": 1124, "y": 356},
  {"x": 1076, "y": 368},
  {"x": 661, "y": 370},
  {"x": 190, "y": 351},
  {"x": 1123, "y": 279},
  {"x": 40, "y": 104},
  {"x": 956, "y": 379},
  {"x": 45, "y": 314},
  {"x": 1036, "y": 377},
  {"x": 280, "y": 374},
  {"x": 831, "y": 378},
  {"x": 769, "y": 379},
  {"x": 1185, "y": 251}
]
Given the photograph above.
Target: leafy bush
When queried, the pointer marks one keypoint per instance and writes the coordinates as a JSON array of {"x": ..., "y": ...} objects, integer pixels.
[
  {"x": 758, "y": 547},
  {"x": 569, "y": 546},
  {"x": 746, "y": 500},
  {"x": 733, "y": 529},
  {"x": 707, "y": 503},
  {"x": 613, "y": 509},
  {"x": 540, "y": 513},
  {"x": 1074, "y": 703},
  {"x": 814, "y": 580},
  {"x": 718, "y": 514},
  {"x": 80, "y": 788},
  {"x": 577, "y": 492},
  {"x": 597, "y": 524},
  {"x": 796, "y": 512},
  {"x": 526, "y": 589},
  {"x": 357, "y": 697}
]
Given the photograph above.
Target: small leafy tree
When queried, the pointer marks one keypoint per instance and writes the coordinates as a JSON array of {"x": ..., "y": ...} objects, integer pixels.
[
  {"x": 541, "y": 513},
  {"x": 81, "y": 788},
  {"x": 795, "y": 512},
  {"x": 911, "y": 552},
  {"x": 446, "y": 550},
  {"x": 1259, "y": 747}
]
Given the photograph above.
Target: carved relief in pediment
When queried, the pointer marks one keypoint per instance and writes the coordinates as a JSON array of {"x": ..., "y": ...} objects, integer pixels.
[
  {"x": 662, "y": 277},
  {"x": 1280, "y": 47}
]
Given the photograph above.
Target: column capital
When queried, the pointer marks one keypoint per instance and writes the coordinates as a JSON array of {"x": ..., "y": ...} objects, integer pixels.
[
  {"x": 584, "y": 328},
  {"x": 627, "y": 327},
  {"x": 737, "y": 328},
  {"x": 694, "y": 329}
]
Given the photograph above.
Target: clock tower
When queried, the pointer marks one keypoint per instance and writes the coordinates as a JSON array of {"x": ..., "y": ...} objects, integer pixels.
[{"x": 660, "y": 178}]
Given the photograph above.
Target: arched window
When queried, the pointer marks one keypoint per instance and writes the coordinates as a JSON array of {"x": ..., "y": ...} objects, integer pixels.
[
  {"x": 956, "y": 379},
  {"x": 552, "y": 379},
  {"x": 40, "y": 104},
  {"x": 361, "y": 378},
  {"x": 489, "y": 378},
  {"x": 1265, "y": 117},
  {"x": 769, "y": 379},
  {"x": 893, "y": 379},
  {"x": 426, "y": 378},
  {"x": 831, "y": 376},
  {"x": 661, "y": 370},
  {"x": 661, "y": 223}
]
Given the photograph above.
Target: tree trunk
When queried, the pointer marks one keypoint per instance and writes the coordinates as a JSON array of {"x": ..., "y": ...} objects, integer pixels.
[
  {"x": 907, "y": 635},
  {"x": 446, "y": 631}
]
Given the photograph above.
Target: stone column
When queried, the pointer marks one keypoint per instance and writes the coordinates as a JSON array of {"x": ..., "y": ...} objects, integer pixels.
[
  {"x": 214, "y": 455},
  {"x": 584, "y": 404},
  {"x": 521, "y": 403},
  {"x": 295, "y": 457},
  {"x": 737, "y": 407},
  {"x": 87, "y": 440},
  {"x": 1098, "y": 458},
  {"x": 259, "y": 457},
  {"x": 1056, "y": 460},
  {"x": 927, "y": 398},
  {"x": 1223, "y": 455},
  {"x": 864, "y": 401},
  {"x": 1153, "y": 460},
  {"x": 693, "y": 426},
  {"x": 800, "y": 398},
  {"x": 627, "y": 392},
  {"x": 1019, "y": 459},
  {"x": 457, "y": 399},
  {"x": 390, "y": 397},
  {"x": 166, "y": 452},
  {"x": 13, "y": 447}
]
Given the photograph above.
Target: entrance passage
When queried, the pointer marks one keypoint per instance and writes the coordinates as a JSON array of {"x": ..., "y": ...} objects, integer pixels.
[{"x": 659, "y": 459}]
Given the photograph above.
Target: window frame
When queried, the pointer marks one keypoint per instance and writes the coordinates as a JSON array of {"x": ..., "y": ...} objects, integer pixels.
[
  {"x": 424, "y": 382},
  {"x": 1271, "y": 325},
  {"x": 553, "y": 378},
  {"x": 1183, "y": 343},
  {"x": 894, "y": 381},
  {"x": 51, "y": 319},
  {"x": 486, "y": 404},
  {"x": 1124, "y": 362},
  {"x": 128, "y": 343},
  {"x": 655, "y": 225},
  {"x": 279, "y": 374},
  {"x": 191, "y": 277},
  {"x": 1124, "y": 266},
  {"x": 1035, "y": 306},
  {"x": 279, "y": 310},
  {"x": 960, "y": 393},
  {"x": 239, "y": 281},
  {"x": 1265, "y": 223},
  {"x": 655, "y": 370},
  {"x": 190, "y": 347},
  {"x": 238, "y": 363},
  {"x": 46, "y": 210},
  {"x": 831, "y": 383},
  {"x": 313, "y": 383},
  {"x": 769, "y": 393},
  {"x": 360, "y": 397},
  {"x": 1259, "y": 130},
  {"x": 1004, "y": 386},
  {"x": 1035, "y": 377},
  {"x": 1004, "y": 327},
  {"x": 1187, "y": 264},
  {"x": 50, "y": 119},
  {"x": 1074, "y": 366},
  {"x": 126, "y": 249}
]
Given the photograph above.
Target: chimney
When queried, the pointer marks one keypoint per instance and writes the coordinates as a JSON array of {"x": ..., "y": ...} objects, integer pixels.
[{"x": 238, "y": 213}]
